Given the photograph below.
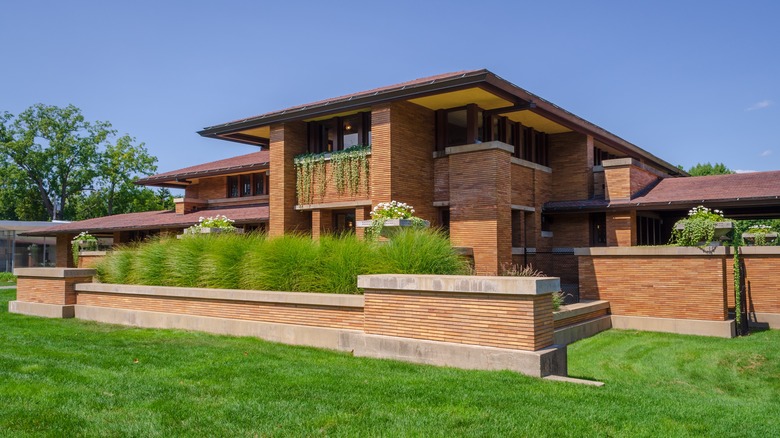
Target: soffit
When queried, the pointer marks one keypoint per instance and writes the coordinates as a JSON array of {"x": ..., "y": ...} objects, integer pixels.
[
  {"x": 528, "y": 118},
  {"x": 453, "y": 99}
]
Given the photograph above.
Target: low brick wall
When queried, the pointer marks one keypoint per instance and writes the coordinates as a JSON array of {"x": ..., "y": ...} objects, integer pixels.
[
  {"x": 670, "y": 289},
  {"x": 50, "y": 285},
  {"x": 462, "y": 321},
  {"x": 762, "y": 288},
  {"x": 310, "y": 309},
  {"x": 504, "y": 312}
]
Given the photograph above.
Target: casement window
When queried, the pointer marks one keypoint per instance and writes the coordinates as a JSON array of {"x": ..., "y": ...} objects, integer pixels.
[
  {"x": 340, "y": 133},
  {"x": 254, "y": 184},
  {"x": 599, "y": 155}
]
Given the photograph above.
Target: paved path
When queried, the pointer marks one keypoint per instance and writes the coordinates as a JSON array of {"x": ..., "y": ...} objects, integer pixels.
[{"x": 8, "y": 287}]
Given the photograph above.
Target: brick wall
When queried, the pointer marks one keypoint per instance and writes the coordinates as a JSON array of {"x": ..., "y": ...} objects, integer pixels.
[
  {"x": 641, "y": 179},
  {"x": 566, "y": 322},
  {"x": 617, "y": 181},
  {"x": 441, "y": 170},
  {"x": 287, "y": 141},
  {"x": 48, "y": 290},
  {"x": 571, "y": 159},
  {"x": 321, "y": 316},
  {"x": 480, "y": 209},
  {"x": 515, "y": 321},
  {"x": 663, "y": 286},
  {"x": 571, "y": 230},
  {"x": 212, "y": 188},
  {"x": 621, "y": 228},
  {"x": 761, "y": 282}
]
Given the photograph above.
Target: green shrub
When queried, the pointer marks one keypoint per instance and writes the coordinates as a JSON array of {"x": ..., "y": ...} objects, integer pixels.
[
  {"x": 416, "y": 251},
  {"x": 293, "y": 263},
  {"x": 7, "y": 277}
]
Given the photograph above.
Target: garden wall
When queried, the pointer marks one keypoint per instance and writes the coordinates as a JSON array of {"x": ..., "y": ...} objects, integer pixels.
[
  {"x": 679, "y": 289},
  {"x": 461, "y": 321}
]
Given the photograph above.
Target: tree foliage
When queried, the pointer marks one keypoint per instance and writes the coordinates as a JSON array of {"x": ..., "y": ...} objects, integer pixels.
[
  {"x": 704, "y": 169},
  {"x": 55, "y": 164}
]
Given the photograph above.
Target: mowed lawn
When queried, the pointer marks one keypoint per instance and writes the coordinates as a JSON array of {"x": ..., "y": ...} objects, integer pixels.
[{"x": 75, "y": 378}]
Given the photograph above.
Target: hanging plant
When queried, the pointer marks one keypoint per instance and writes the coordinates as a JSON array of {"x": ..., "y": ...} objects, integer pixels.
[
  {"x": 698, "y": 229},
  {"x": 309, "y": 167},
  {"x": 349, "y": 167}
]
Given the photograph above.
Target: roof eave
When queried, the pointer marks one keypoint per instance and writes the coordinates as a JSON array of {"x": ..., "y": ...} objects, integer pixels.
[{"x": 406, "y": 92}]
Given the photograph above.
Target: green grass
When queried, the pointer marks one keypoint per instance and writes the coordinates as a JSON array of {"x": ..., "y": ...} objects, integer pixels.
[
  {"x": 7, "y": 279},
  {"x": 77, "y": 378},
  {"x": 288, "y": 263}
]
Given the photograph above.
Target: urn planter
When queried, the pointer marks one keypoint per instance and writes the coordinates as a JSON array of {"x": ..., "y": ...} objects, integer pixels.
[
  {"x": 750, "y": 238},
  {"x": 721, "y": 230},
  {"x": 392, "y": 226}
]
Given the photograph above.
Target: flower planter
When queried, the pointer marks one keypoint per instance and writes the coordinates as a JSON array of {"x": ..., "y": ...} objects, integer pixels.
[
  {"x": 750, "y": 238},
  {"x": 721, "y": 230},
  {"x": 391, "y": 226},
  {"x": 209, "y": 230}
]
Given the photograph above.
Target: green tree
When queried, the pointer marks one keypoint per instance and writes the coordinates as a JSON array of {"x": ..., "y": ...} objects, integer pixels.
[
  {"x": 120, "y": 164},
  {"x": 704, "y": 169},
  {"x": 56, "y": 148}
]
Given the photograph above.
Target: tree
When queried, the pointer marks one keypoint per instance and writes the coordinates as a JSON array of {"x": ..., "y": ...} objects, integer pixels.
[
  {"x": 704, "y": 169},
  {"x": 120, "y": 164},
  {"x": 56, "y": 149}
]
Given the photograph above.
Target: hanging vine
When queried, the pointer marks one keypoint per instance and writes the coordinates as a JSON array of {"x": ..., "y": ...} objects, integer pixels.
[
  {"x": 309, "y": 167},
  {"x": 349, "y": 168},
  {"x": 349, "y": 172}
]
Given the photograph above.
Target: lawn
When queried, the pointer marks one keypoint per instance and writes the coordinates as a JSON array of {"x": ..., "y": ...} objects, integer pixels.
[{"x": 76, "y": 378}]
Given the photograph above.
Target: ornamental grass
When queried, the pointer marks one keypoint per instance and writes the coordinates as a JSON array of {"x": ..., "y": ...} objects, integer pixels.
[{"x": 294, "y": 263}]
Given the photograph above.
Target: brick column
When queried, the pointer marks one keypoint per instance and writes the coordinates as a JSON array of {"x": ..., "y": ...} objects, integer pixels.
[
  {"x": 621, "y": 228},
  {"x": 321, "y": 223},
  {"x": 480, "y": 203},
  {"x": 64, "y": 253},
  {"x": 48, "y": 292},
  {"x": 287, "y": 141}
]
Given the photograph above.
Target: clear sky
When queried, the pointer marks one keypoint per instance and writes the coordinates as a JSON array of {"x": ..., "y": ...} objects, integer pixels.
[{"x": 690, "y": 81}]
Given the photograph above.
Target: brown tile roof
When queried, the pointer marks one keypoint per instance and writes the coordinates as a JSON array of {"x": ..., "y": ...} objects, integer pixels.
[
  {"x": 241, "y": 163},
  {"x": 153, "y": 220},
  {"x": 346, "y": 97},
  {"x": 740, "y": 189}
]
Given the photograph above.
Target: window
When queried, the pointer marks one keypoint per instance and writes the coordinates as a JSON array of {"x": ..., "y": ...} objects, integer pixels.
[
  {"x": 344, "y": 221},
  {"x": 254, "y": 184},
  {"x": 246, "y": 185},
  {"x": 339, "y": 133},
  {"x": 260, "y": 183},
  {"x": 232, "y": 187},
  {"x": 598, "y": 229},
  {"x": 648, "y": 230}
]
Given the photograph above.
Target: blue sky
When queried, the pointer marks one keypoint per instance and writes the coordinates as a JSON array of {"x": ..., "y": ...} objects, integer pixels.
[{"x": 688, "y": 81}]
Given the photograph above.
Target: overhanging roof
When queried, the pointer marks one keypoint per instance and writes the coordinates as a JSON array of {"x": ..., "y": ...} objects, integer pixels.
[
  {"x": 429, "y": 86},
  {"x": 154, "y": 220},
  {"x": 181, "y": 177},
  {"x": 740, "y": 190}
]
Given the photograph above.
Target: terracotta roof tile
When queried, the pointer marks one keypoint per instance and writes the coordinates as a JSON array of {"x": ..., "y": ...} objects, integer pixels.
[
  {"x": 151, "y": 220},
  {"x": 235, "y": 164}
]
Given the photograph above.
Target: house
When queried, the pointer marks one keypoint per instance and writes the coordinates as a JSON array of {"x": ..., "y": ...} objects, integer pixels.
[{"x": 508, "y": 174}]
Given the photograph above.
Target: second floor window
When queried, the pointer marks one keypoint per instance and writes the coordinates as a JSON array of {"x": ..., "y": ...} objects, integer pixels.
[
  {"x": 340, "y": 133},
  {"x": 255, "y": 184}
]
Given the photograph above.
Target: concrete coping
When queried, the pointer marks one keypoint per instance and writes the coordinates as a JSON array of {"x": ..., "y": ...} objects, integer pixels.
[
  {"x": 476, "y": 147},
  {"x": 622, "y": 162},
  {"x": 659, "y": 251},
  {"x": 92, "y": 253},
  {"x": 760, "y": 250},
  {"x": 581, "y": 308},
  {"x": 530, "y": 165},
  {"x": 54, "y": 272},
  {"x": 461, "y": 284},
  {"x": 295, "y": 298}
]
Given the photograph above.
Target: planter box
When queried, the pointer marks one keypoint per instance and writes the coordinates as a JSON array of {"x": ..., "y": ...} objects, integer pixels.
[
  {"x": 750, "y": 238},
  {"x": 214, "y": 231},
  {"x": 392, "y": 226},
  {"x": 721, "y": 230}
]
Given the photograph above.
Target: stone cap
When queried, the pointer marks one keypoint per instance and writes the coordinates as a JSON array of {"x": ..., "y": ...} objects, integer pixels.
[
  {"x": 661, "y": 251},
  {"x": 54, "y": 272},
  {"x": 296, "y": 298},
  {"x": 461, "y": 284}
]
